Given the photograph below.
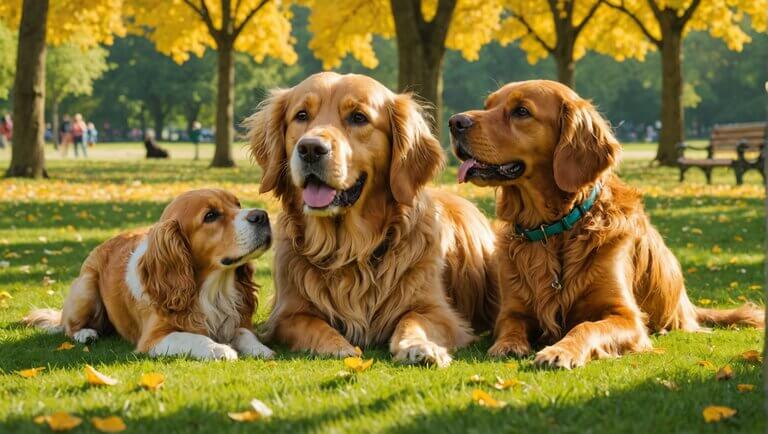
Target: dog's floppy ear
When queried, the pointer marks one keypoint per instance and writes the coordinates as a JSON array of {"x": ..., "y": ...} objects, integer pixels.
[
  {"x": 266, "y": 135},
  {"x": 165, "y": 270},
  {"x": 587, "y": 146},
  {"x": 416, "y": 153}
]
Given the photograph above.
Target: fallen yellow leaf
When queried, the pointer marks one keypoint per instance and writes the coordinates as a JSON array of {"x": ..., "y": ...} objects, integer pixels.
[
  {"x": 705, "y": 301},
  {"x": 752, "y": 356},
  {"x": 745, "y": 387},
  {"x": 29, "y": 373},
  {"x": 696, "y": 231},
  {"x": 476, "y": 378},
  {"x": 669, "y": 384},
  {"x": 65, "y": 346},
  {"x": 151, "y": 380},
  {"x": 724, "y": 373},
  {"x": 108, "y": 424},
  {"x": 658, "y": 350},
  {"x": 96, "y": 378},
  {"x": 356, "y": 364},
  {"x": 716, "y": 249},
  {"x": 502, "y": 384},
  {"x": 705, "y": 364},
  {"x": 59, "y": 421},
  {"x": 486, "y": 400},
  {"x": 5, "y": 295},
  {"x": 716, "y": 413},
  {"x": 258, "y": 411}
]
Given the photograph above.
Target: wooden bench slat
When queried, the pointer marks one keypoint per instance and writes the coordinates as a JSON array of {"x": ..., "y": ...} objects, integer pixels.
[{"x": 705, "y": 162}]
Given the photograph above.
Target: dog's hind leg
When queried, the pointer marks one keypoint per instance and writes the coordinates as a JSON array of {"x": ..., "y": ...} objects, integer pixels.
[{"x": 83, "y": 315}]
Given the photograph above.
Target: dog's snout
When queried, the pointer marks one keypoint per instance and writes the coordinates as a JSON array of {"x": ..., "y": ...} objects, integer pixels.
[
  {"x": 459, "y": 124},
  {"x": 312, "y": 149},
  {"x": 257, "y": 217}
]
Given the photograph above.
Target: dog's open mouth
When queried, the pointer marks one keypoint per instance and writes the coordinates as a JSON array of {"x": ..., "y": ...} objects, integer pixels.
[
  {"x": 471, "y": 168},
  {"x": 319, "y": 195}
]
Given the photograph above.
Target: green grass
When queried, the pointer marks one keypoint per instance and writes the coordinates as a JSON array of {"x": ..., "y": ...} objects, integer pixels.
[{"x": 48, "y": 227}]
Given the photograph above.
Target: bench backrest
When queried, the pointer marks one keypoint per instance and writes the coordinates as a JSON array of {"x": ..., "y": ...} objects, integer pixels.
[{"x": 729, "y": 136}]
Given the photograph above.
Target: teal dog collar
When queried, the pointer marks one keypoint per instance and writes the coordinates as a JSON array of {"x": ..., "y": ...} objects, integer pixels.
[{"x": 543, "y": 232}]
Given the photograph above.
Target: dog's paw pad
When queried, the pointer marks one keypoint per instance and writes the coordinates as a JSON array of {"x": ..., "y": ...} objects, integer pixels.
[{"x": 84, "y": 335}]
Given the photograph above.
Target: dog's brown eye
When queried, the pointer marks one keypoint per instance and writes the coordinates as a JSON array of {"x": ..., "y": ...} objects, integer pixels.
[
  {"x": 357, "y": 118},
  {"x": 301, "y": 116},
  {"x": 521, "y": 112},
  {"x": 211, "y": 216}
]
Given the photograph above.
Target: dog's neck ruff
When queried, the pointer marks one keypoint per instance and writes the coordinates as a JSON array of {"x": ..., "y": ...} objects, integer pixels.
[{"x": 544, "y": 232}]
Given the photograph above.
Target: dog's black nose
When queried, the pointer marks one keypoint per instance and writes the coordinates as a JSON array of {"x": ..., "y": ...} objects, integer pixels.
[
  {"x": 312, "y": 149},
  {"x": 257, "y": 217},
  {"x": 459, "y": 124}
]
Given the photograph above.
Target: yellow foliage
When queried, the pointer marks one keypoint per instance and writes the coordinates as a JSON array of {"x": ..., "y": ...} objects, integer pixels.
[
  {"x": 341, "y": 28},
  {"x": 82, "y": 22},
  {"x": 178, "y": 30}
]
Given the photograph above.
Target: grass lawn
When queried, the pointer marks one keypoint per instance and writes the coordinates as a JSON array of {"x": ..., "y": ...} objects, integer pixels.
[{"x": 48, "y": 227}]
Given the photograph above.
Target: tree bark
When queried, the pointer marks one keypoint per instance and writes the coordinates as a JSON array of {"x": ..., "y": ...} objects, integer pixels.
[
  {"x": 225, "y": 105},
  {"x": 420, "y": 50},
  {"x": 28, "y": 154},
  {"x": 672, "y": 122}
]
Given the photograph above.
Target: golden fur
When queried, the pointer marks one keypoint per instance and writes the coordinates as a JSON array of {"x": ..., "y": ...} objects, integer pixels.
[
  {"x": 170, "y": 278},
  {"x": 618, "y": 277},
  {"x": 370, "y": 272}
]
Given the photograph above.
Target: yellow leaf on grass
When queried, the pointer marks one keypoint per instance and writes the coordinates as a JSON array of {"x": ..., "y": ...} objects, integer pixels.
[
  {"x": 356, "y": 364},
  {"x": 5, "y": 295},
  {"x": 59, "y": 421},
  {"x": 486, "y": 400},
  {"x": 258, "y": 411},
  {"x": 658, "y": 350},
  {"x": 696, "y": 231},
  {"x": 65, "y": 346},
  {"x": 738, "y": 238},
  {"x": 716, "y": 413},
  {"x": 745, "y": 387},
  {"x": 502, "y": 384},
  {"x": 716, "y": 249},
  {"x": 108, "y": 424},
  {"x": 724, "y": 373},
  {"x": 476, "y": 378},
  {"x": 705, "y": 364},
  {"x": 29, "y": 373},
  {"x": 96, "y": 378},
  {"x": 752, "y": 356},
  {"x": 152, "y": 380},
  {"x": 705, "y": 301}
]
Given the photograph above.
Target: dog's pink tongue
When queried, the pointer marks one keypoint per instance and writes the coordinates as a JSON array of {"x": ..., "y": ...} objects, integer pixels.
[
  {"x": 318, "y": 195},
  {"x": 464, "y": 168}
]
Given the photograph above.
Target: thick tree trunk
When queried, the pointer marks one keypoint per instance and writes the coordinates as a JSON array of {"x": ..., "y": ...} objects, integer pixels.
[
  {"x": 566, "y": 69},
  {"x": 225, "y": 107},
  {"x": 28, "y": 154},
  {"x": 420, "y": 50},
  {"x": 158, "y": 122},
  {"x": 672, "y": 126}
]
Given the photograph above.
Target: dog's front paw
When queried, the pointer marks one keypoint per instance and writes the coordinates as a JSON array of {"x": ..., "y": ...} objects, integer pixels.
[
  {"x": 417, "y": 351},
  {"x": 84, "y": 335},
  {"x": 247, "y": 343},
  {"x": 560, "y": 356},
  {"x": 218, "y": 351},
  {"x": 504, "y": 347},
  {"x": 337, "y": 347}
]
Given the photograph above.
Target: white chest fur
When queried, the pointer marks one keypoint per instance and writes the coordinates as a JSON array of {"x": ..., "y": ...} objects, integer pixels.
[{"x": 132, "y": 278}]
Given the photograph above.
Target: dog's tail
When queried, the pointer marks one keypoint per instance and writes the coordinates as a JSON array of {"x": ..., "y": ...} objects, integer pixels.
[
  {"x": 46, "y": 319},
  {"x": 749, "y": 315}
]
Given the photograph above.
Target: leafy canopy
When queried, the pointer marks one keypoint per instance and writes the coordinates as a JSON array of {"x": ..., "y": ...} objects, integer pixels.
[
  {"x": 178, "y": 29},
  {"x": 347, "y": 27}
]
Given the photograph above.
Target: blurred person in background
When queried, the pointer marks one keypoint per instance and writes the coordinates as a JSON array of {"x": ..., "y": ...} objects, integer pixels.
[
  {"x": 92, "y": 134},
  {"x": 6, "y": 131},
  {"x": 65, "y": 134},
  {"x": 79, "y": 131},
  {"x": 194, "y": 135}
]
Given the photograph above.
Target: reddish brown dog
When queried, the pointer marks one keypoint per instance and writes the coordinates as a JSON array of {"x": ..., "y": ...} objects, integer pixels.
[{"x": 597, "y": 288}]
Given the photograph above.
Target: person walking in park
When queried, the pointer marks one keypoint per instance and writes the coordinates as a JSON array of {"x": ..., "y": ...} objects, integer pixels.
[
  {"x": 194, "y": 135},
  {"x": 79, "y": 131},
  {"x": 65, "y": 134},
  {"x": 92, "y": 135},
  {"x": 6, "y": 130}
]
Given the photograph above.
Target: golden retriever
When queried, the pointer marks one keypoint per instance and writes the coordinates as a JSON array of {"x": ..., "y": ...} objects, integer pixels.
[
  {"x": 184, "y": 287},
  {"x": 595, "y": 289},
  {"x": 364, "y": 254}
]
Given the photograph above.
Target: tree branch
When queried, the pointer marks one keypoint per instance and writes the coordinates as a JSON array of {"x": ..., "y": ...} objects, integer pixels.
[
  {"x": 532, "y": 32},
  {"x": 622, "y": 8},
  {"x": 205, "y": 15},
  {"x": 690, "y": 11},
  {"x": 248, "y": 17},
  {"x": 588, "y": 17}
]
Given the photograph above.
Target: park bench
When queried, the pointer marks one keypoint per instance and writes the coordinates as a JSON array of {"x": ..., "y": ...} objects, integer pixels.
[{"x": 747, "y": 141}]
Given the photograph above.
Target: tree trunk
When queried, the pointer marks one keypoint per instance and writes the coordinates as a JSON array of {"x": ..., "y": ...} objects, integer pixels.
[
  {"x": 28, "y": 153},
  {"x": 158, "y": 122},
  {"x": 55, "y": 121},
  {"x": 225, "y": 107},
  {"x": 420, "y": 52},
  {"x": 672, "y": 126}
]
